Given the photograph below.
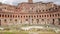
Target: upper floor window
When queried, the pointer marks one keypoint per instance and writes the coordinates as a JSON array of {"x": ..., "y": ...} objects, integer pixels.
[
  {"x": 42, "y": 15},
  {"x": 16, "y": 16},
  {"x": 26, "y": 16},
  {"x": 13, "y": 16},
  {"x": 37, "y": 15},
  {"x": 50, "y": 15},
  {"x": 34, "y": 16},
  {"x": 5, "y": 8},
  {"x": 5, "y": 15},
  {"x": 55, "y": 14},
  {"x": 21, "y": 16},
  {"x": 29, "y": 16},
  {"x": 2, "y": 15},
  {"x": 10, "y": 15},
  {"x": 46, "y": 10},
  {"x": 58, "y": 14},
  {"x": 45, "y": 15}
]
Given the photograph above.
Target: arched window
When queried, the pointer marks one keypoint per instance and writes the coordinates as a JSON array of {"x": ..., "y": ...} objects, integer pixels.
[
  {"x": 8, "y": 15},
  {"x": 53, "y": 21},
  {"x": 10, "y": 19},
  {"x": 56, "y": 8},
  {"x": 50, "y": 15},
  {"x": 5, "y": 20},
  {"x": 32, "y": 20},
  {"x": 0, "y": 15},
  {"x": 18, "y": 16},
  {"x": 37, "y": 20},
  {"x": 24, "y": 16},
  {"x": 21, "y": 16},
  {"x": 40, "y": 15},
  {"x": 53, "y": 15},
  {"x": 45, "y": 15},
  {"x": 26, "y": 19},
  {"x": 37, "y": 16},
  {"x": 5, "y": 8},
  {"x": 5, "y": 15},
  {"x": 46, "y": 10},
  {"x": 29, "y": 16},
  {"x": 56, "y": 15},
  {"x": 34, "y": 16},
  {"x": 49, "y": 9},
  {"x": 15, "y": 20},
  {"x": 0, "y": 22},
  {"x": 13, "y": 16},
  {"x": 43, "y": 10},
  {"x": 42, "y": 19},
  {"x": 39, "y": 10}
]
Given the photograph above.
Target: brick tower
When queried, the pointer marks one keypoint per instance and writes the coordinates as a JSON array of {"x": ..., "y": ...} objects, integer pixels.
[{"x": 30, "y": 1}]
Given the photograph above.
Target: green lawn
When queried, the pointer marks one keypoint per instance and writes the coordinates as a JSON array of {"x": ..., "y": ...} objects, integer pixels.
[
  {"x": 27, "y": 32},
  {"x": 14, "y": 32}
]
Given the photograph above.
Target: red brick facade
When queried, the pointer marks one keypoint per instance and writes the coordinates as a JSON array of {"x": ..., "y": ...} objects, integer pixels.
[{"x": 30, "y": 13}]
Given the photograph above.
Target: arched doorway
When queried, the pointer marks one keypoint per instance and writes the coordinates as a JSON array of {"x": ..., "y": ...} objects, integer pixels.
[
  {"x": 37, "y": 21},
  {"x": 53, "y": 21},
  {"x": 0, "y": 22}
]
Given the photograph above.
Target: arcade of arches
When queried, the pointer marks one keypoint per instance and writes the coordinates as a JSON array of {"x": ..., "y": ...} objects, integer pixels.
[
  {"x": 7, "y": 19},
  {"x": 30, "y": 13}
]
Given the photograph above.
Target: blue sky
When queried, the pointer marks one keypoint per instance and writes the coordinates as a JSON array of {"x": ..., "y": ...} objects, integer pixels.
[{"x": 15, "y": 2}]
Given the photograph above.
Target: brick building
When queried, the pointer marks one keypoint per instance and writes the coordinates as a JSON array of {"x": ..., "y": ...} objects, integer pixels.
[{"x": 30, "y": 13}]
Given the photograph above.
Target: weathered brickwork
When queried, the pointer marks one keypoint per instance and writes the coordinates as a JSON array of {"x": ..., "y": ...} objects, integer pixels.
[{"x": 30, "y": 13}]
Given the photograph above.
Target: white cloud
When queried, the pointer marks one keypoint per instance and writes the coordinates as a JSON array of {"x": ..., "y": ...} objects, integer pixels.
[
  {"x": 11, "y": 2},
  {"x": 14, "y": 2}
]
